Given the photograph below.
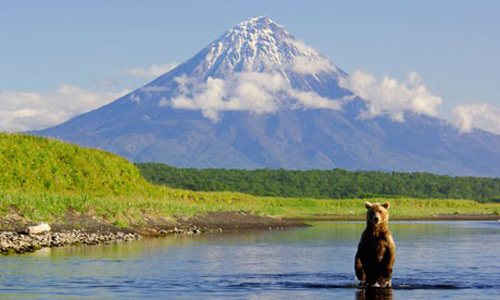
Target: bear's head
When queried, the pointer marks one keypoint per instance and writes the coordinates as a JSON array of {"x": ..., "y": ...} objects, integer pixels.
[{"x": 377, "y": 213}]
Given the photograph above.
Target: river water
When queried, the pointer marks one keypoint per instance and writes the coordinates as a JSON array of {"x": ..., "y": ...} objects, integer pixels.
[{"x": 435, "y": 260}]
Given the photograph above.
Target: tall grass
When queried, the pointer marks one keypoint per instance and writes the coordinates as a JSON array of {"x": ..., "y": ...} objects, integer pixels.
[{"x": 34, "y": 164}]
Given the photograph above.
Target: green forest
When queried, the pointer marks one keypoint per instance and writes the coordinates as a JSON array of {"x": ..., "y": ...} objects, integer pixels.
[{"x": 321, "y": 184}]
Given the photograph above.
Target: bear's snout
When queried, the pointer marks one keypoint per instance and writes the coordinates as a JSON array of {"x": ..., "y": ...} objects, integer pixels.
[{"x": 375, "y": 219}]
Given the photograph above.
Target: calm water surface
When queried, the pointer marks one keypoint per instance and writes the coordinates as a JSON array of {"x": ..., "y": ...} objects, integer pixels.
[{"x": 435, "y": 260}]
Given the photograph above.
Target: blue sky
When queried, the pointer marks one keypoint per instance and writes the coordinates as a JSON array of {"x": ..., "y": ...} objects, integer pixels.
[{"x": 452, "y": 45}]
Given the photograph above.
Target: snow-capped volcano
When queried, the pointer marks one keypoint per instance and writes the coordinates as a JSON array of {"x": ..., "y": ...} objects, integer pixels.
[
  {"x": 260, "y": 45},
  {"x": 256, "y": 66},
  {"x": 257, "y": 97}
]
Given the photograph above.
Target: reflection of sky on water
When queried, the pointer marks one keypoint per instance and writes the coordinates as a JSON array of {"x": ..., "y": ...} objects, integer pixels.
[{"x": 315, "y": 262}]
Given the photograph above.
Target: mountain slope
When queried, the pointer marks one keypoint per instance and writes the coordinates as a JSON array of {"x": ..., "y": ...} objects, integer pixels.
[{"x": 256, "y": 97}]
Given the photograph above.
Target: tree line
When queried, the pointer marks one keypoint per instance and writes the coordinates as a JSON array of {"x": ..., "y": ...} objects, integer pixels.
[{"x": 331, "y": 184}]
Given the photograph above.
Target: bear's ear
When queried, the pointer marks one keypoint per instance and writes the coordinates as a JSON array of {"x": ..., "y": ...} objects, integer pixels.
[
  {"x": 368, "y": 205},
  {"x": 386, "y": 205}
]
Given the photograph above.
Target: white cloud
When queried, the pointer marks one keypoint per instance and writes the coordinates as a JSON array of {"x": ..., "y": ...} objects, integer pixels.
[
  {"x": 153, "y": 71},
  {"x": 310, "y": 61},
  {"x": 392, "y": 98},
  {"x": 21, "y": 111},
  {"x": 304, "y": 64},
  {"x": 260, "y": 93},
  {"x": 302, "y": 47},
  {"x": 484, "y": 116}
]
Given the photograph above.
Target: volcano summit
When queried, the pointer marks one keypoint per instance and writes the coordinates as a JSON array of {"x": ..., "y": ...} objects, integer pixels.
[{"x": 257, "y": 97}]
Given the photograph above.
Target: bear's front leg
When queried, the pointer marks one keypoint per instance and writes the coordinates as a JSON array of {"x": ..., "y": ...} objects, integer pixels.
[
  {"x": 388, "y": 262},
  {"x": 360, "y": 273}
]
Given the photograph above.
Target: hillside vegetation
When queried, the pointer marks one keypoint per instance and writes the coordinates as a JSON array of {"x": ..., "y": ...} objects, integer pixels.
[
  {"x": 333, "y": 184},
  {"x": 47, "y": 180},
  {"x": 34, "y": 164}
]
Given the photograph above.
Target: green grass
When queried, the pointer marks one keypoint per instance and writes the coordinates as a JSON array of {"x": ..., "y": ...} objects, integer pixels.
[
  {"x": 43, "y": 180},
  {"x": 176, "y": 203},
  {"x": 35, "y": 164}
]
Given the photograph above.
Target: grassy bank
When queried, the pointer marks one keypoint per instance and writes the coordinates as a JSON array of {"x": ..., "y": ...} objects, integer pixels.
[
  {"x": 51, "y": 181},
  {"x": 38, "y": 165},
  {"x": 172, "y": 204}
]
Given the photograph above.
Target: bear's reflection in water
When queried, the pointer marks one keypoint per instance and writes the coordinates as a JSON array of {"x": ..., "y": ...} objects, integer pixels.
[{"x": 374, "y": 294}]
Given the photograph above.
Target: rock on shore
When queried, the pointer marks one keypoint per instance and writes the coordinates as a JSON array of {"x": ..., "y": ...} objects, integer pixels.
[
  {"x": 13, "y": 242},
  {"x": 18, "y": 235}
]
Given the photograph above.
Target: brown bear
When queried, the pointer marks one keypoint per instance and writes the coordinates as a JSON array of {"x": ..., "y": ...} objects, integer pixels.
[{"x": 376, "y": 250}]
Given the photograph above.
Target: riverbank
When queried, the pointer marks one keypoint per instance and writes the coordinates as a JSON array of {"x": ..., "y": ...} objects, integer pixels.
[
  {"x": 15, "y": 242},
  {"x": 88, "y": 231}
]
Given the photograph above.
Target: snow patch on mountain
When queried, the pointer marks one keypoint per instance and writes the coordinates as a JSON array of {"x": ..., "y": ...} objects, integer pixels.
[
  {"x": 306, "y": 65},
  {"x": 261, "y": 45}
]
